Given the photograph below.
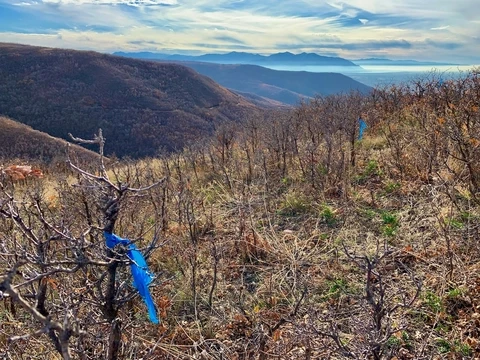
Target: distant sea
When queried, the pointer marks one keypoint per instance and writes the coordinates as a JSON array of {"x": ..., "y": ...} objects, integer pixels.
[{"x": 377, "y": 75}]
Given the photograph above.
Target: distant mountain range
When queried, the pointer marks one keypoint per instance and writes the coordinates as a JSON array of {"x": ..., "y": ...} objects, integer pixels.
[
  {"x": 285, "y": 86},
  {"x": 142, "y": 106},
  {"x": 283, "y": 58},
  {"x": 382, "y": 61}
]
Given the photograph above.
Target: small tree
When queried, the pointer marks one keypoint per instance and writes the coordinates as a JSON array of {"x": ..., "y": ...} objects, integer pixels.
[
  {"x": 374, "y": 320},
  {"x": 55, "y": 264}
]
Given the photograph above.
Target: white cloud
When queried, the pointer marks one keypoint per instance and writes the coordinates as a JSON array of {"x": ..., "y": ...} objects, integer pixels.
[
  {"x": 113, "y": 2},
  {"x": 198, "y": 25},
  {"x": 440, "y": 27},
  {"x": 23, "y": 3}
]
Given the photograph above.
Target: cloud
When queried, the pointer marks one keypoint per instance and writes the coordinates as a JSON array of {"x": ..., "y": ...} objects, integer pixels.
[
  {"x": 360, "y": 45},
  {"x": 378, "y": 44},
  {"x": 448, "y": 45},
  {"x": 440, "y": 27},
  {"x": 113, "y": 2},
  {"x": 350, "y": 28},
  {"x": 231, "y": 47},
  {"x": 229, "y": 39}
]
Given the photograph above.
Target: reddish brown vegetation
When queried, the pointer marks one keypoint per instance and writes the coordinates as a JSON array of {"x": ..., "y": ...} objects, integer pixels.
[
  {"x": 143, "y": 107},
  {"x": 21, "y": 172},
  {"x": 284, "y": 239}
]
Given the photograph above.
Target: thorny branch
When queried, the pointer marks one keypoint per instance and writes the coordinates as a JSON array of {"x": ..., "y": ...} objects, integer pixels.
[{"x": 48, "y": 248}]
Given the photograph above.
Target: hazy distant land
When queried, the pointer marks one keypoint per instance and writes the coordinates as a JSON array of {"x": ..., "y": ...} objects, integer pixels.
[
  {"x": 373, "y": 75},
  {"x": 369, "y": 71}
]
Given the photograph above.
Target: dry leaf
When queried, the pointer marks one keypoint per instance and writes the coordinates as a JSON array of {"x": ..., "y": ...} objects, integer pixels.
[{"x": 277, "y": 334}]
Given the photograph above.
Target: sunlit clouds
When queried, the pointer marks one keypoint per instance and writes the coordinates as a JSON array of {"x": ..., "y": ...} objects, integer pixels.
[{"x": 445, "y": 31}]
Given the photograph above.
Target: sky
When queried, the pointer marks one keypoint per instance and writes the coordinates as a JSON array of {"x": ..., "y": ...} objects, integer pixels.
[{"x": 435, "y": 30}]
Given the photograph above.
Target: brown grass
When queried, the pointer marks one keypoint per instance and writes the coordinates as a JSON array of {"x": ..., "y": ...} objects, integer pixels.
[{"x": 364, "y": 261}]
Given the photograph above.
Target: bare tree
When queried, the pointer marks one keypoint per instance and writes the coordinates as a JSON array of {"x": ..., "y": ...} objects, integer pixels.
[{"x": 55, "y": 264}]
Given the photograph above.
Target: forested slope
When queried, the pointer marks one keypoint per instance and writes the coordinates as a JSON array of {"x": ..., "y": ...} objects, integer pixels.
[{"x": 141, "y": 106}]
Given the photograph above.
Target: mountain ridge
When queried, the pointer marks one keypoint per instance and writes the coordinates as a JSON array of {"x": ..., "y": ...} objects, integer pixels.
[
  {"x": 286, "y": 58},
  {"x": 289, "y": 87},
  {"x": 20, "y": 141}
]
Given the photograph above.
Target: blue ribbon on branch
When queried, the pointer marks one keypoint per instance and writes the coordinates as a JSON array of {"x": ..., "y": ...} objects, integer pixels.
[
  {"x": 362, "y": 126},
  {"x": 142, "y": 277}
]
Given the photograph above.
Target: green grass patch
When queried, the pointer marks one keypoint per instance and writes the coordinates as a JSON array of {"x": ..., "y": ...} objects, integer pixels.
[{"x": 390, "y": 224}]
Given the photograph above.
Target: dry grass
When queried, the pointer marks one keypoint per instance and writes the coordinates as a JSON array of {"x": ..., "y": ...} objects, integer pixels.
[{"x": 274, "y": 266}]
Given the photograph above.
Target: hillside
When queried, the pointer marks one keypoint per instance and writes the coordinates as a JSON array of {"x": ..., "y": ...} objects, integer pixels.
[
  {"x": 141, "y": 106},
  {"x": 285, "y": 86},
  {"x": 21, "y": 142},
  {"x": 264, "y": 102},
  {"x": 289, "y": 239}
]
